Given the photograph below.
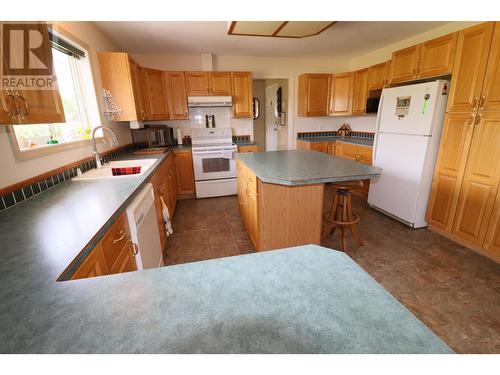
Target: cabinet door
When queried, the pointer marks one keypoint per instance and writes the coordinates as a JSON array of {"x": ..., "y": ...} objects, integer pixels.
[
  {"x": 314, "y": 94},
  {"x": 92, "y": 266},
  {"x": 378, "y": 75},
  {"x": 341, "y": 94},
  {"x": 37, "y": 106},
  {"x": 249, "y": 148},
  {"x": 449, "y": 170},
  {"x": 490, "y": 96},
  {"x": 318, "y": 146},
  {"x": 242, "y": 94},
  {"x": 220, "y": 83},
  {"x": 154, "y": 93},
  {"x": 471, "y": 57},
  {"x": 185, "y": 173},
  {"x": 197, "y": 83},
  {"x": 492, "y": 242},
  {"x": 347, "y": 151},
  {"x": 136, "y": 75},
  {"x": 437, "y": 56},
  {"x": 172, "y": 185},
  {"x": 480, "y": 183},
  {"x": 242, "y": 193},
  {"x": 360, "y": 92},
  {"x": 176, "y": 95},
  {"x": 331, "y": 148},
  {"x": 125, "y": 261},
  {"x": 253, "y": 218},
  {"x": 404, "y": 64}
]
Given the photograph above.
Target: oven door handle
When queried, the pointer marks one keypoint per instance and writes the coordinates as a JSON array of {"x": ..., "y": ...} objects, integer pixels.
[{"x": 210, "y": 152}]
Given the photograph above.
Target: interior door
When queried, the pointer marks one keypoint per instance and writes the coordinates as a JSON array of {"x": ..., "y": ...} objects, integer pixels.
[{"x": 271, "y": 120}]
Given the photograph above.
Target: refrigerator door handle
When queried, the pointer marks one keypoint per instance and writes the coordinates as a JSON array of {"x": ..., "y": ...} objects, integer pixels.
[{"x": 377, "y": 127}]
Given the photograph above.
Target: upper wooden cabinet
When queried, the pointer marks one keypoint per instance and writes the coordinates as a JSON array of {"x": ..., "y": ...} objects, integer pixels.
[
  {"x": 154, "y": 94},
  {"x": 314, "y": 94},
  {"x": 31, "y": 106},
  {"x": 490, "y": 95},
  {"x": 122, "y": 77},
  {"x": 341, "y": 94},
  {"x": 404, "y": 64},
  {"x": 378, "y": 75},
  {"x": 429, "y": 59},
  {"x": 360, "y": 92},
  {"x": 176, "y": 95},
  {"x": 471, "y": 58},
  {"x": 208, "y": 83},
  {"x": 437, "y": 56},
  {"x": 197, "y": 83},
  {"x": 241, "y": 83},
  {"x": 220, "y": 83}
]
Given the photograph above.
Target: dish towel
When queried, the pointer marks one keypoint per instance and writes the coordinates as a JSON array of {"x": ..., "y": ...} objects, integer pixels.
[{"x": 166, "y": 217}]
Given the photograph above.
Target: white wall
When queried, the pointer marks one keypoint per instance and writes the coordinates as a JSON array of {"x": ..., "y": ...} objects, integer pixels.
[{"x": 13, "y": 170}]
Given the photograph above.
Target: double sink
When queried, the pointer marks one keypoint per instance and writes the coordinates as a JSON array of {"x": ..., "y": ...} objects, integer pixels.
[{"x": 105, "y": 172}]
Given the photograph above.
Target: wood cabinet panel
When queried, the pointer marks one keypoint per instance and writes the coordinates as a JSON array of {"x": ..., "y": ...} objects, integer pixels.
[
  {"x": 248, "y": 148},
  {"x": 92, "y": 266},
  {"x": 185, "y": 174},
  {"x": 360, "y": 92},
  {"x": 342, "y": 86},
  {"x": 121, "y": 77},
  {"x": 220, "y": 83},
  {"x": 450, "y": 166},
  {"x": 318, "y": 146},
  {"x": 154, "y": 94},
  {"x": 378, "y": 75},
  {"x": 480, "y": 183},
  {"x": 437, "y": 56},
  {"x": 176, "y": 95},
  {"x": 470, "y": 66},
  {"x": 114, "y": 240},
  {"x": 490, "y": 95},
  {"x": 314, "y": 94},
  {"x": 197, "y": 83},
  {"x": 242, "y": 94},
  {"x": 492, "y": 242},
  {"x": 404, "y": 64},
  {"x": 125, "y": 261}
]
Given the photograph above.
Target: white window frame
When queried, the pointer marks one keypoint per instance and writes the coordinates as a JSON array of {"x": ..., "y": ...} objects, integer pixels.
[{"x": 86, "y": 97}]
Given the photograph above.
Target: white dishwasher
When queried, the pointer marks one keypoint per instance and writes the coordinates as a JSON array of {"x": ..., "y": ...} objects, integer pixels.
[{"x": 144, "y": 230}]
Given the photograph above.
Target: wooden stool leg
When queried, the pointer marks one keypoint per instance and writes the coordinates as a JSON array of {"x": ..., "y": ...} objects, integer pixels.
[
  {"x": 344, "y": 217},
  {"x": 353, "y": 228},
  {"x": 331, "y": 216}
]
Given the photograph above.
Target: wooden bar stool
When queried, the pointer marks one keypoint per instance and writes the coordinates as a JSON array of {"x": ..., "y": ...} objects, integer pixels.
[{"x": 340, "y": 214}]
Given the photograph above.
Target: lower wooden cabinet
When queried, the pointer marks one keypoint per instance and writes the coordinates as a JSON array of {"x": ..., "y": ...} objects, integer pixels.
[
  {"x": 92, "y": 266},
  {"x": 125, "y": 261},
  {"x": 248, "y": 148},
  {"x": 248, "y": 201},
  {"x": 185, "y": 174}
]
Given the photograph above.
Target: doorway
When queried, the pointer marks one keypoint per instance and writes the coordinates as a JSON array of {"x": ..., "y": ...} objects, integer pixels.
[{"x": 271, "y": 126}]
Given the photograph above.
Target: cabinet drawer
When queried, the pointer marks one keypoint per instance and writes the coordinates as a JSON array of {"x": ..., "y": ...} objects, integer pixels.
[
  {"x": 318, "y": 146},
  {"x": 114, "y": 241},
  {"x": 248, "y": 148},
  {"x": 365, "y": 154}
]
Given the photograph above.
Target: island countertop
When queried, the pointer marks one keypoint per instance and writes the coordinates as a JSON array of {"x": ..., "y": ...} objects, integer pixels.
[{"x": 297, "y": 167}]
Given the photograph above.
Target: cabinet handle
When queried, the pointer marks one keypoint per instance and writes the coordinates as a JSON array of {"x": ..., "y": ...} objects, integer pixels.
[
  {"x": 418, "y": 71},
  {"x": 474, "y": 102},
  {"x": 135, "y": 248},
  {"x": 122, "y": 236},
  {"x": 470, "y": 121},
  {"x": 478, "y": 121},
  {"x": 481, "y": 102}
]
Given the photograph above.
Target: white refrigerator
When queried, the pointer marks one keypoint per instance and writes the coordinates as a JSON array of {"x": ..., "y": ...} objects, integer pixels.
[{"x": 408, "y": 129}]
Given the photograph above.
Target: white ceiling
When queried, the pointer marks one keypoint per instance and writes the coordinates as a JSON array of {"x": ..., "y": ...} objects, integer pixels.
[{"x": 346, "y": 39}]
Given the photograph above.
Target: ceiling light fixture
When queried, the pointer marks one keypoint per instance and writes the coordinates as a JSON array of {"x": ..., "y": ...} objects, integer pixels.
[{"x": 279, "y": 29}]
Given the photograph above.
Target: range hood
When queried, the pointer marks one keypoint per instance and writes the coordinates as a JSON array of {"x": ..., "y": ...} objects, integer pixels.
[{"x": 209, "y": 101}]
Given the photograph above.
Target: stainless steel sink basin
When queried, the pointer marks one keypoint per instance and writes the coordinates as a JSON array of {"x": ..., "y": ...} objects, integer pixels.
[{"x": 105, "y": 171}]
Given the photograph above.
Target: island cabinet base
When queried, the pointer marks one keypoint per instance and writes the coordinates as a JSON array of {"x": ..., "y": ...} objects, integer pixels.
[
  {"x": 289, "y": 215},
  {"x": 278, "y": 216}
]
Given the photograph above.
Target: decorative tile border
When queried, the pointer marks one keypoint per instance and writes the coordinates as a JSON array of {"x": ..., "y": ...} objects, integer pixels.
[
  {"x": 333, "y": 133},
  {"x": 30, "y": 190}
]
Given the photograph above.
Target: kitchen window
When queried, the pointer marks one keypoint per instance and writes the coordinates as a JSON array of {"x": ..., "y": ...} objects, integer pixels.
[{"x": 78, "y": 97}]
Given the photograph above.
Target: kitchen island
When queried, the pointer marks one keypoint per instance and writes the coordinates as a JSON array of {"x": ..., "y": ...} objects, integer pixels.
[{"x": 280, "y": 194}]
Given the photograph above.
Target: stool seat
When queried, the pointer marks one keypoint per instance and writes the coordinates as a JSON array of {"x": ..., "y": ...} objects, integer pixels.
[{"x": 340, "y": 214}]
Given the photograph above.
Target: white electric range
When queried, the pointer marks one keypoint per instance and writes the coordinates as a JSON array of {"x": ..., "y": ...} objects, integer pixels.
[{"x": 214, "y": 161}]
